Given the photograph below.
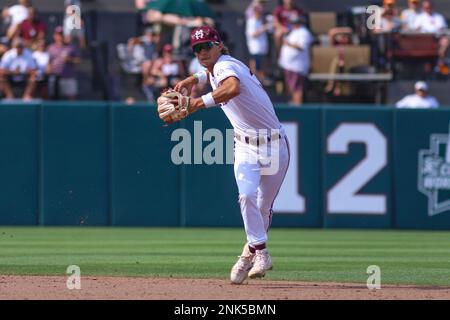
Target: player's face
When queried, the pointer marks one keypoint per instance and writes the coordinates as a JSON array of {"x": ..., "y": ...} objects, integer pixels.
[{"x": 207, "y": 53}]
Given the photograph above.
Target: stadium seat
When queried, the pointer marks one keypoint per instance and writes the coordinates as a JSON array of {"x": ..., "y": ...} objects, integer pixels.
[
  {"x": 415, "y": 46},
  {"x": 354, "y": 55},
  {"x": 321, "y": 22}
]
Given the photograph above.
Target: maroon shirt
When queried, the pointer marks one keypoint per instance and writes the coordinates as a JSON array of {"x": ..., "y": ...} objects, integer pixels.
[
  {"x": 283, "y": 15},
  {"x": 31, "y": 29}
]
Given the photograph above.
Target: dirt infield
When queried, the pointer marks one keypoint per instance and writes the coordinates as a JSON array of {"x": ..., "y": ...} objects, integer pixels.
[{"x": 108, "y": 288}]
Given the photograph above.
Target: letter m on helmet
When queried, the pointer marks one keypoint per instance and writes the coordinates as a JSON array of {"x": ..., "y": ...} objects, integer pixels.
[{"x": 199, "y": 34}]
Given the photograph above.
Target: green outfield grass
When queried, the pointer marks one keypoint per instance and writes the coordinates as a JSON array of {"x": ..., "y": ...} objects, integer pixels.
[{"x": 405, "y": 257}]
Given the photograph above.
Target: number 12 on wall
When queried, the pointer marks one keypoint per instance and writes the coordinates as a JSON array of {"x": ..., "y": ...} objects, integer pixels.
[{"x": 344, "y": 196}]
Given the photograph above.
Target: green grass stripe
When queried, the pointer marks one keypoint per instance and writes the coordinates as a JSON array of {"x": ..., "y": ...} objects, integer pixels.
[{"x": 405, "y": 257}]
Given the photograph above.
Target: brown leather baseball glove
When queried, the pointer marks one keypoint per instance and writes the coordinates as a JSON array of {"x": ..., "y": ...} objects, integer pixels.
[{"x": 173, "y": 106}]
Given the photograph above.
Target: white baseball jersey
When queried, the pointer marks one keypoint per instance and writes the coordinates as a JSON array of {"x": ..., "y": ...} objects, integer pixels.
[
  {"x": 252, "y": 108},
  {"x": 416, "y": 101},
  {"x": 248, "y": 112}
]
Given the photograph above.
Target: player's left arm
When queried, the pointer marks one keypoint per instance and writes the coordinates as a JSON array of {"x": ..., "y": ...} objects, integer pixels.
[{"x": 227, "y": 90}]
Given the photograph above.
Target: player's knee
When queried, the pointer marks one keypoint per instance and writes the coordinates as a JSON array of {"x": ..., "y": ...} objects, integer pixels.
[
  {"x": 266, "y": 209},
  {"x": 245, "y": 197}
]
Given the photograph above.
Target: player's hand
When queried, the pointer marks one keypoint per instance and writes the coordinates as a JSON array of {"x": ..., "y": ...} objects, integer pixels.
[
  {"x": 173, "y": 106},
  {"x": 185, "y": 86}
]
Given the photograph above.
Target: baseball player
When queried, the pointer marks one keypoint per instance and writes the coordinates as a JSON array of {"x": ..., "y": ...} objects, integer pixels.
[{"x": 256, "y": 127}]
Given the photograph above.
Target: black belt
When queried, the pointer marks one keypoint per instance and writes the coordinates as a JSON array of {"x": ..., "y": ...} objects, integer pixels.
[{"x": 259, "y": 140}]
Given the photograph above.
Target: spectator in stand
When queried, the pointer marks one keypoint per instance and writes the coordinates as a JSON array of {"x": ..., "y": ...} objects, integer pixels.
[
  {"x": 390, "y": 5},
  {"x": 390, "y": 22},
  {"x": 3, "y": 49},
  {"x": 63, "y": 59},
  {"x": 151, "y": 42},
  {"x": 339, "y": 37},
  {"x": 429, "y": 21},
  {"x": 281, "y": 16},
  {"x": 139, "y": 53},
  {"x": 16, "y": 15},
  {"x": 18, "y": 68},
  {"x": 432, "y": 22},
  {"x": 257, "y": 42},
  {"x": 32, "y": 29},
  {"x": 295, "y": 58},
  {"x": 409, "y": 15},
  {"x": 166, "y": 72},
  {"x": 135, "y": 55},
  {"x": 420, "y": 99},
  {"x": 141, "y": 7},
  {"x": 140, "y": 4},
  {"x": 255, "y": 3},
  {"x": 42, "y": 59}
]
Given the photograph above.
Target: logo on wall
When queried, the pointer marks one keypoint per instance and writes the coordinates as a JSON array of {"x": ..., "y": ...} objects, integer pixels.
[{"x": 434, "y": 173}]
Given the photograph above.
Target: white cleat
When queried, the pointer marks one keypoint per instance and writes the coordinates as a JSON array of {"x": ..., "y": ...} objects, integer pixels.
[
  {"x": 261, "y": 264},
  {"x": 241, "y": 268}
]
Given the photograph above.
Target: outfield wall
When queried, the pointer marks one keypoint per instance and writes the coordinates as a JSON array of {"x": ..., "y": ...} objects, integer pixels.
[{"x": 110, "y": 164}]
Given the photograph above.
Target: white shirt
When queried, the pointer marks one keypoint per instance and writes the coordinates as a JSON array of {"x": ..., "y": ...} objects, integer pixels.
[
  {"x": 430, "y": 23},
  {"x": 416, "y": 101},
  {"x": 293, "y": 59},
  {"x": 259, "y": 44},
  {"x": 42, "y": 59},
  {"x": 409, "y": 17},
  {"x": 252, "y": 108},
  {"x": 11, "y": 61},
  {"x": 170, "y": 69},
  {"x": 18, "y": 13}
]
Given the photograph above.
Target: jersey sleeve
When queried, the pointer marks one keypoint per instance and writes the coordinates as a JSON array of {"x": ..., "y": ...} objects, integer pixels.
[{"x": 224, "y": 70}]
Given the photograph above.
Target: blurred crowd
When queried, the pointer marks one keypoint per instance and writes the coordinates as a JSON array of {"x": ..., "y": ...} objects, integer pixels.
[
  {"x": 284, "y": 45},
  {"x": 280, "y": 44},
  {"x": 419, "y": 17},
  {"x": 162, "y": 62},
  {"x": 32, "y": 67}
]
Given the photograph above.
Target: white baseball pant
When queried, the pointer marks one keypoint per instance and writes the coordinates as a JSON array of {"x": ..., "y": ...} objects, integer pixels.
[{"x": 258, "y": 186}]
